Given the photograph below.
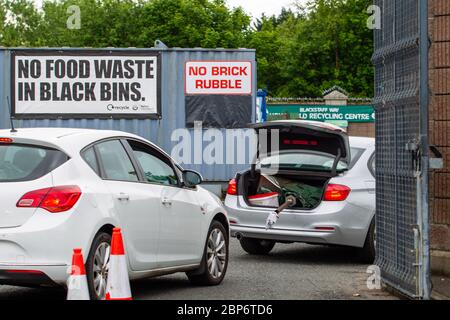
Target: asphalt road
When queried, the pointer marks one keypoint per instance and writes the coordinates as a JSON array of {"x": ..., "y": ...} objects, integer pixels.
[{"x": 294, "y": 271}]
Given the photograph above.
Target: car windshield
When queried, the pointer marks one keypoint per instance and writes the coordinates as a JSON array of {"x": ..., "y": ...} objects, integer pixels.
[
  {"x": 308, "y": 161},
  {"x": 26, "y": 163}
]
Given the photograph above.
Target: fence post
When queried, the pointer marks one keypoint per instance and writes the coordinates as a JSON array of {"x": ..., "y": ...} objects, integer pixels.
[{"x": 424, "y": 102}]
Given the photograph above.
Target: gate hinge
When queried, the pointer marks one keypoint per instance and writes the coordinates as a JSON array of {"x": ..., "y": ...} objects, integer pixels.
[
  {"x": 437, "y": 161},
  {"x": 412, "y": 146}
]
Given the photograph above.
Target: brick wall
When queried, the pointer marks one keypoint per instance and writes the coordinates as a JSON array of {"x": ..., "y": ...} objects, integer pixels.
[
  {"x": 440, "y": 124},
  {"x": 361, "y": 129}
]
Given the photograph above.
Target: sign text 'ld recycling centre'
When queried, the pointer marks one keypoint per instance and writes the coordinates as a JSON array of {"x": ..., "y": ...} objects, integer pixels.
[{"x": 355, "y": 113}]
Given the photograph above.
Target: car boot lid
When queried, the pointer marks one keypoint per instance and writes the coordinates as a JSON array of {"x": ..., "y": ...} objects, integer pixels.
[{"x": 310, "y": 136}]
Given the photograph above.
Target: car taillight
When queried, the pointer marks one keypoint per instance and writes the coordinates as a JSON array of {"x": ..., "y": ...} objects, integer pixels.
[
  {"x": 232, "y": 187},
  {"x": 301, "y": 142},
  {"x": 57, "y": 199},
  {"x": 6, "y": 140},
  {"x": 336, "y": 192}
]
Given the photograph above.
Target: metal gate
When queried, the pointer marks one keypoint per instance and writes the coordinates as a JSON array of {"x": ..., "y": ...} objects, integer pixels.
[{"x": 401, "y": 102}]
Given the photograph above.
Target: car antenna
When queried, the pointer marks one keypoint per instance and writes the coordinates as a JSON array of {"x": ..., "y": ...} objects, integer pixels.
[{"x": 11, "y": 118}]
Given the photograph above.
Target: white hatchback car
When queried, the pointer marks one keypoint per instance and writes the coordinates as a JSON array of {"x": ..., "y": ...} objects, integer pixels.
[{"x": 67, "y": 188}]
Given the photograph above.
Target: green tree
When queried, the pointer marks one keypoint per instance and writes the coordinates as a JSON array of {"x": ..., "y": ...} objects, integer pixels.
[
  {"x": 331, "y": 45},
  {"x": 300, "y": 52},
  {"x": 20, "y": 22},
  {"x": 124, "y": 23},
  {"x": 194, "y": 23},
  {"x": 104, "y": 23}
]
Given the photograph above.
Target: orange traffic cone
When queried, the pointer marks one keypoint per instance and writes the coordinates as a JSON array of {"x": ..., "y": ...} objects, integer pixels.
[
  {"x": 77, "y": 287},
  {"x": 118, "y": 283}
]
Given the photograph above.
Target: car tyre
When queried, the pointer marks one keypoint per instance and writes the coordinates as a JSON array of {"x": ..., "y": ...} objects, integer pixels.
[
  {"x": 97, "y": 265},
  {"x": 215, "y": 258},
  {"x": 369, "y": 250},
  {"x": 257, "y": 246}
]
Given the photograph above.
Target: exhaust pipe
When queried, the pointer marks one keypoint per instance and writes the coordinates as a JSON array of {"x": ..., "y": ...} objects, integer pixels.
[{"x": 239, "y": 236}]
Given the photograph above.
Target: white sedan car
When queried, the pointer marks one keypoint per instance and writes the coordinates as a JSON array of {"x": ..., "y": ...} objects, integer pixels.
[
  {"x": 68, "y": 188},
  {"x": 330, "y": 177}
]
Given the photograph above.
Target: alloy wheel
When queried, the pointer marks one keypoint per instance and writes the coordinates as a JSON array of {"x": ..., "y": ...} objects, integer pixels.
[
  {"x": 216, "y": 253},
  {"x": 100, "y": 269}
]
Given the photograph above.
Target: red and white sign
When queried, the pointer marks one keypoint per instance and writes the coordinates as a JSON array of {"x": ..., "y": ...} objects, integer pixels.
[{"x": 218, "y": 77}]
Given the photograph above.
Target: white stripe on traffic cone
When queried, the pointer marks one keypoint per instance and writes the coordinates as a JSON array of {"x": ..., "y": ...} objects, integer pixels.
[
  {"x": 77, "y": 287},
  {"x": 118, "y": 283}
]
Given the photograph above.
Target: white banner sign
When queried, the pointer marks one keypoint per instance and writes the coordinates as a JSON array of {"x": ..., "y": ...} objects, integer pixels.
[
  {"x": 218, "y": 77},
  {"x": 76, "y": 85}
]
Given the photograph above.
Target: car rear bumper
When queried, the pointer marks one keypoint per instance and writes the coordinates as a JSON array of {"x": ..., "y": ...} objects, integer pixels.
[
  {"x": 330, "y": 223},
  {"x": 50, "y": 275},
  {"x": 307, "y": 236},
  {"x": 47, "y": 251},
  {"x": 44, "y": 244}
]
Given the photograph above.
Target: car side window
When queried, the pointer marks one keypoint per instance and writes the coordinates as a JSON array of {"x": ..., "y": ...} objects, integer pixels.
[
  {"x": 115, "y": 161},
  {"x": 90, "y": 158},
  {"x": 155, "y": 169},
  {"x": 372, "y": 164}
]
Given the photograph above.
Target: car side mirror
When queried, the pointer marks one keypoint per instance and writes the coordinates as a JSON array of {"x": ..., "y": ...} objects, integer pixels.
[{"x": 191, "y": 178}]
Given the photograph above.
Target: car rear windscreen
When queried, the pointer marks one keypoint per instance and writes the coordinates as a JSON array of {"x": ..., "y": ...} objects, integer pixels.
[
  {"x": 19, "y": 162},
  {"x": 301, "y": 160}
]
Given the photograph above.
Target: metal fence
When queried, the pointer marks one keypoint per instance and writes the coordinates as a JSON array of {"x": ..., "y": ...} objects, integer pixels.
[{"x": 401, "y": 132}]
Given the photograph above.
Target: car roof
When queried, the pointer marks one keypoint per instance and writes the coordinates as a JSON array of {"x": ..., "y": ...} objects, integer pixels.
[
  {"x": 61, "y": 134},
  {"x": 68, "y": 139},
  {"x": 361, "y": 142}
]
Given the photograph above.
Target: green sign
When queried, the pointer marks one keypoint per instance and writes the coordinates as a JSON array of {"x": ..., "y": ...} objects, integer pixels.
[{"x": 357, "y": 113}]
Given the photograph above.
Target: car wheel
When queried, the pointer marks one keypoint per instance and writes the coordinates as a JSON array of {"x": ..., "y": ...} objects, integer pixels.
[
  {"x": 368, "y": 251},
  {"x": 257, "y": 246},
  {"x": 215, "y": 258},
  {"x": 97, "y": 266}
]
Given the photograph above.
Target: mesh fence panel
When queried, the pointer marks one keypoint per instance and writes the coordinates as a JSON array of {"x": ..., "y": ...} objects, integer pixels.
[{"x": 396, "y": 61}]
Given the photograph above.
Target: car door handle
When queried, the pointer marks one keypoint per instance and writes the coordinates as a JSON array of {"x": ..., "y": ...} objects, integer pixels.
[
  {"x": 165, "y": 201},
  {"x": 123, "y": 197}
]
